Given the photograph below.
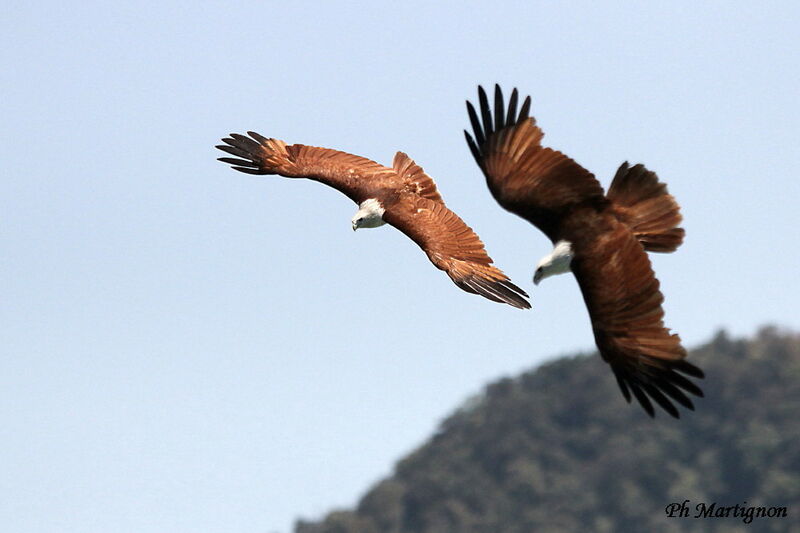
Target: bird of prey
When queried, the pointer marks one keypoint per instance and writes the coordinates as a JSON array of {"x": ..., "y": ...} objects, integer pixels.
[
  {"x": 602, "y": 238},
  {"x": 403, "y": 196}
]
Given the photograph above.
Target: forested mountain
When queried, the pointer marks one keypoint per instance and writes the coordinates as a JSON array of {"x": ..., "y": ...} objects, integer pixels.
[{"x": 557, "y": 449}]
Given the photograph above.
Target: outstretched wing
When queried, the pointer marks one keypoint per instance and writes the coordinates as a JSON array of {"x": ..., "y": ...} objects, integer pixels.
[
  {"x": 624, "y": 302},
  {"x": 539, "y": 184},
  {"x": 452, "y": 246},
  {"x": 356, "y": 177}
]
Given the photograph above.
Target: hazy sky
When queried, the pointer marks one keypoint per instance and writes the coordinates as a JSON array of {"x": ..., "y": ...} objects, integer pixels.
[{"x": 186, "y": 348}]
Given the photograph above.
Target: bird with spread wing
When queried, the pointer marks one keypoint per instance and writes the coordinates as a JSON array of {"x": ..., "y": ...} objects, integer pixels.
[
  {"x": 602, "y": 238},
  {"x": 403, "y": 196}
]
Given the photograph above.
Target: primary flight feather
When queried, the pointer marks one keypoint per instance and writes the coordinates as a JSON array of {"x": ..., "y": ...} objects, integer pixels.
[
  {"x": 403, "y": 196},
  {"x": 603, "y": 239}
]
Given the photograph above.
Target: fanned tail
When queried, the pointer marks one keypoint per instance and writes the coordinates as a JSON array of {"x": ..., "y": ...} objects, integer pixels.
[{"x": 644, "y": 205}]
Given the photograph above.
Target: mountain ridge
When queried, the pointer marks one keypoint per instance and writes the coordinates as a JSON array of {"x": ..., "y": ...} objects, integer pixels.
[{"x": 557, "y": 449}]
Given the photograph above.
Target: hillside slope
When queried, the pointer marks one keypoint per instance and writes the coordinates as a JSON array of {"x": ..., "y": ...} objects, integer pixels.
[{"x": 557, "y": 450}]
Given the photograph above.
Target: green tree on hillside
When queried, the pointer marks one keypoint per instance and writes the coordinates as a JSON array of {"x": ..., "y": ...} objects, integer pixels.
[{"x": 556, "y": 449}]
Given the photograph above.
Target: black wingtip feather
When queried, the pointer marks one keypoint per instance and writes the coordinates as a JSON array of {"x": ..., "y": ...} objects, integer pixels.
[
  {"x": 244, "y": 142},
  {"x": 622, "y": 386},
  {"x": 526, "y": 109},
  {"x": 255, "y": 171},
  {"x": 676, "y": 394},
  {"x": 235, "y": 150},
  {"x": 514, "y": 288},
  {"x": 499, "y": 108},
  {"x": 477, "y": 288},
  {"x": 496, "y": 291},
  {"x": 238, "y": 162},
  {"x": 688, "y": 368},
  {"x": 511, "y": 118},
  {"x": 485, "y": 122},
  {"x": 476, "y": 125},
  {"x": 682, "y": 382},
  {"x": 260, "y": 138},
  {"x": 246, "y": 150},
  {"x": 661, "y": 384},
  {"x": 643, "y": 400},
  {"x": 504, "y": 294},
  {"x": 476, "y": 153},
  {"x": 486, "y": 114},
  {"x": 661, "y": 400}
]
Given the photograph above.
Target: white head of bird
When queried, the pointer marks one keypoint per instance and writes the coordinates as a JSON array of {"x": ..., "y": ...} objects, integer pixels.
[
  {"x": 556, "y": 262},
  {"x": 369, "y": 215}
]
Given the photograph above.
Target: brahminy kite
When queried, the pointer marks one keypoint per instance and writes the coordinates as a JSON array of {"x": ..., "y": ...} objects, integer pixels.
[
  {"x": 403, "y": 196},
  {"x": 602, "y": 238}
]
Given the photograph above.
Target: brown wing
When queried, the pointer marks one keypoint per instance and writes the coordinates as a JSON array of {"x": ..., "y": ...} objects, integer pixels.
[
  {"x": 357, "y": 177},
  {"x": 414, "y": 178},
  {"x": 624, "y": 302},
  {"x": 452, "y": 246},
  {"x": 539, "y": 184}
]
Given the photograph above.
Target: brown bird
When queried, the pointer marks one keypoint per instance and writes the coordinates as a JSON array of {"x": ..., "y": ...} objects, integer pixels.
[
  {"x": 403, "y": 196},
  {"x": 602, "y": 238}
]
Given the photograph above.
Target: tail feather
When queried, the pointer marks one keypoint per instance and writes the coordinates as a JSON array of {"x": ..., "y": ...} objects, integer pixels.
[{"x": 643, "y": 203}]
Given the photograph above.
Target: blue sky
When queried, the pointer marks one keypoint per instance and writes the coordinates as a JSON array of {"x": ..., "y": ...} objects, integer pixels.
[{"x": 186, "y": 348}]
